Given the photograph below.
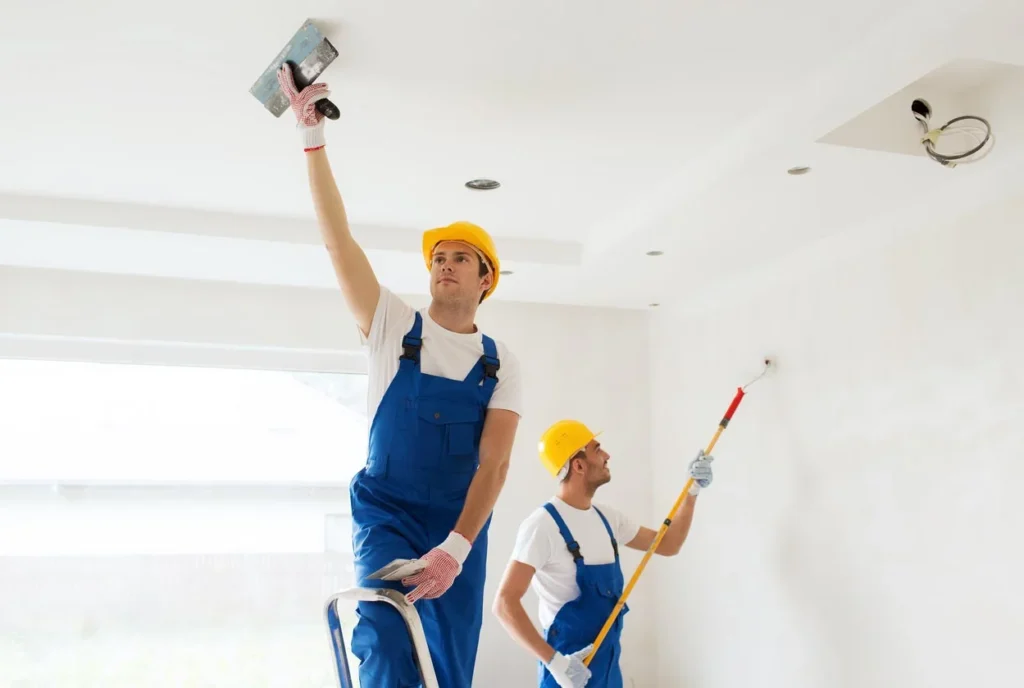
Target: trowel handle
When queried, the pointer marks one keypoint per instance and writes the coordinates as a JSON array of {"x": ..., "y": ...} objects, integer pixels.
[{"x": 328, "y": 109}]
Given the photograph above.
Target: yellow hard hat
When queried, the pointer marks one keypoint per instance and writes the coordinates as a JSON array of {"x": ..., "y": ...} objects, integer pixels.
[
  {"x": 561, "y": 442},
  {"x": 468, "y": 233}
]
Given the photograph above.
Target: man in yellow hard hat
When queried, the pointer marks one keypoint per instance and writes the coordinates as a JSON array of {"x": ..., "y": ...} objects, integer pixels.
[
  {"x": 445, "y": 401},
  {"x": 568, "y": 550}
]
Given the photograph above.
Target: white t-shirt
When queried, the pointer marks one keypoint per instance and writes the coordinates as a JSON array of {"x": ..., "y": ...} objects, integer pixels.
[
  {"x": 540, "y": 544},
  {"x": 443, "y": 353}
]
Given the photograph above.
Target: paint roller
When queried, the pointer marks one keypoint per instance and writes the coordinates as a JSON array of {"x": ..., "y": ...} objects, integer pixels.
[
  {"x": 740, "y": 392},
  {"x": 308, "y": 53}
]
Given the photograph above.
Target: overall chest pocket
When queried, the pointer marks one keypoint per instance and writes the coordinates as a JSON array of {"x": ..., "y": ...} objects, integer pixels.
[
  {"x": 453, "y": 432},
  {"x": 606, "y": 596}
]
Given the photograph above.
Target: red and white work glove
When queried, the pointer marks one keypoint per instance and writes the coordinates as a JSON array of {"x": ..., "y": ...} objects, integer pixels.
[
  {"x": 310, "y": 120},
  {"x": 443, "y": 564}
]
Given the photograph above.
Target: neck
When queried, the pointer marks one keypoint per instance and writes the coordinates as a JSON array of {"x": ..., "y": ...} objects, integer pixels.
[
  {"x": 453, "y": 317},
  {"x": 575, "y": 495}
]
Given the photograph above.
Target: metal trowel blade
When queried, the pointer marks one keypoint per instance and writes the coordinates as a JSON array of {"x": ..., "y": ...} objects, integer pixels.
[
  {"x": 309, "y": 53},
  {"x": 398, "y": 569}
]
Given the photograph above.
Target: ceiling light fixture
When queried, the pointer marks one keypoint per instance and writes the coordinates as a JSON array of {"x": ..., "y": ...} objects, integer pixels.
[
  {"x": 797, "y": 171},
  {"x": 654, "y": 305},
  {"x": 505, "y": 272},
  {"x": 482, "y": 184},
  {"x": 655, "y": 253}
]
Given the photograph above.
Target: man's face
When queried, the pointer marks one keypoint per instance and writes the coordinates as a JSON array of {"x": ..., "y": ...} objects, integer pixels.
[
  {"x": 455, "y": 274},
  {"x": 595, "y": 465}
]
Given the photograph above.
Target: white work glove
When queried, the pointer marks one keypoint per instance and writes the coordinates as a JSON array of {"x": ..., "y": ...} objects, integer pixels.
[
  {"x": 569, "y": 670},
  {"x": 442, "y": 565},
  {"x": 700, "y": 470},
  {"x": 310, "y": 120}
]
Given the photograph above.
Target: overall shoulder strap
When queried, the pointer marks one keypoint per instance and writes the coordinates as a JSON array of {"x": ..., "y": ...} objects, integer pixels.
[
  {"x": 607, "y": 527},
  {"x": 490, "y": 364},
  {"x": 409, "y": 361},
  {"x": 574, "y": 547},
  {"x": 412, "y": 342}
]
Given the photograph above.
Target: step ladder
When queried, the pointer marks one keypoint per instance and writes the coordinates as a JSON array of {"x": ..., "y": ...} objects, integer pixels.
[{"x": 412, "y": 623}]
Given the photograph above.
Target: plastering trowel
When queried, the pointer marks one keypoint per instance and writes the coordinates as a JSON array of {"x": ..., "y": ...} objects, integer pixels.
[
  {"x": 309, "y": 54},
  {"x": 398, "y": 569}
]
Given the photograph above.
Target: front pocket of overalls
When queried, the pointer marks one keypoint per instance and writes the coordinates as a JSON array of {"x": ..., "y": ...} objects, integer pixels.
[
  {"x": 456, "y": 430},
  {"x": 608, "y": 595}
]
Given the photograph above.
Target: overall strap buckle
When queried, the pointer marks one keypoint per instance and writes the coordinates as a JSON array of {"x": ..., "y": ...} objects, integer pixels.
[
  {"x": 491, "y": 366},
  {"x": 490, "y": 363},
  {"x": 412, "y": 341},
  {"x": 411, "y": 348},
  {"x": 570, "y": 541}
]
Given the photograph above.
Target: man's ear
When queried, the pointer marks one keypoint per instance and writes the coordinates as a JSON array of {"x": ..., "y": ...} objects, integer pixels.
[{"x": 488, "y": 280}]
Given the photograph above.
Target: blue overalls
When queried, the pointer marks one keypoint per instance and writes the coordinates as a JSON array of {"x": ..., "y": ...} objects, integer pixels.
[
  {"x": 577, "y": 623},
  {"x": 423, "y": 453}
]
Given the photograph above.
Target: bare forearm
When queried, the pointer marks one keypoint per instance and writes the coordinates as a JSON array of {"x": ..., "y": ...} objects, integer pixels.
[
  {"x": 676, "y": 534},
  {"x": 330, "y": 208},
  {"x": 358, "y": 282},
  {"x": 515, "y": 620},
  {"x": 481, "y": 498}
]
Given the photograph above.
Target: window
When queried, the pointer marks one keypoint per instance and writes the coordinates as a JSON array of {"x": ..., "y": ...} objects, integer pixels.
[{"x": 172, "y": 526}]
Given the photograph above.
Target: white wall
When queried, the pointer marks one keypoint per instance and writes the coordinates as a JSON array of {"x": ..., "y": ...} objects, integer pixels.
[
  {"x": 576, "y": 362},
  {"x": 864, "y": 528}
]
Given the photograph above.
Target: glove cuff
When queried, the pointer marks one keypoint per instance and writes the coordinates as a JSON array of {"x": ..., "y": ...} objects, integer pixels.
[
  {"x": 312, "y": 137},
  {"x": 457, "y": 546},
  {"x": 559, "y": 664}
]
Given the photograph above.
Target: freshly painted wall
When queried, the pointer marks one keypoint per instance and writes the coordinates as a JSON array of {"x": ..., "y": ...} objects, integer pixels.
[{"x": 864, "y": 526}]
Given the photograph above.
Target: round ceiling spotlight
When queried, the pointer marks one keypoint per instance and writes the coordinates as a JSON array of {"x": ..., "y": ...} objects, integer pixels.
[
  {"x": 505, "y": 272},
  {"x": 655, "y": 253},
  {"x": 654, "y": 305},
  {"x": 797, "y": 171},
  {"x": 482, "y": 184}
]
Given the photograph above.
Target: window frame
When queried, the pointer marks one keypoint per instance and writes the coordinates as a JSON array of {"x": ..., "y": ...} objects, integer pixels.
[{"x": 122, "y": 352}]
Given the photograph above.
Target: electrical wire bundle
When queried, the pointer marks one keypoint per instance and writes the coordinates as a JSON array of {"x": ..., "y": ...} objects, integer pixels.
[{"x": 982, "y": 137}]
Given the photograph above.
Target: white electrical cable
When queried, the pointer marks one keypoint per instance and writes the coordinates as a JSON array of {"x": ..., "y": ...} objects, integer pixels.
[{"x": 983, "y": 140}]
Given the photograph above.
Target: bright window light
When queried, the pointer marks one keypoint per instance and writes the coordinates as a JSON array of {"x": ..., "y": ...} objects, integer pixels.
[
  {"x": 101, "y": 423},
  {"x": 101, "y": 459},
  {"x": 168, "y": 526}
]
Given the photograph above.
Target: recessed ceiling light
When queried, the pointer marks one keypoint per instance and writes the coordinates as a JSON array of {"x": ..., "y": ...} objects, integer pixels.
[
  {"x": 482, "y": 184},
  {"x": 505, "y": 272},
  {"x": 655, "y": 253},
  {"x": 654, "y": 305},
  {"x": 796, "y": 171}
]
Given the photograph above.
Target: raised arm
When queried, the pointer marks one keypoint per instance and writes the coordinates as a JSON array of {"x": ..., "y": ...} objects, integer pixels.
[
  {"x": 674, "y": 538},
  {"x": 359, "y": 284},
  {"x": 672, "y": 542}
]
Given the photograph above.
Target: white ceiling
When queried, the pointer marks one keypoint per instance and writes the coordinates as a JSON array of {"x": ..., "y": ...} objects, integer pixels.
[{"x": 131, "y": 143}]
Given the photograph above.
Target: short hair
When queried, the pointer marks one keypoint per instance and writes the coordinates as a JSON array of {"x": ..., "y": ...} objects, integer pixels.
[
  {"x": 567, "y": 468},
  {"x": 485, "y": 267}
]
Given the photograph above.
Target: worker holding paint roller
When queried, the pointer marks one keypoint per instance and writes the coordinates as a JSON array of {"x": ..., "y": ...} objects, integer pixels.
[
  {"x": 568, "y": 551},
  {"x": 445, "y": 401}
]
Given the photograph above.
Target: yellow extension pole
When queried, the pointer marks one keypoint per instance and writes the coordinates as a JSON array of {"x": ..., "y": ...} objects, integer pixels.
[{"x": 662, "y": 530}]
